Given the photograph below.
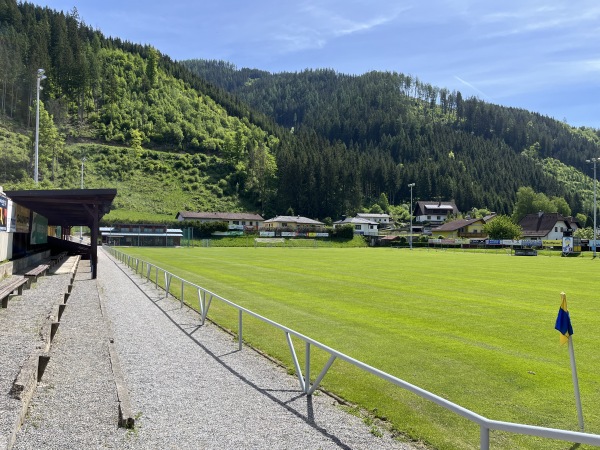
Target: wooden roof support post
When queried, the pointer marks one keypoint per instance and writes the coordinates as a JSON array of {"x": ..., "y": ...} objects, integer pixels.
[{"x": 94, "y": 242}]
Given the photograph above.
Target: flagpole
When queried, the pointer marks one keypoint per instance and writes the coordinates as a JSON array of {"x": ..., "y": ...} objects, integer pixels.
[{"x": 575, "y": 383}]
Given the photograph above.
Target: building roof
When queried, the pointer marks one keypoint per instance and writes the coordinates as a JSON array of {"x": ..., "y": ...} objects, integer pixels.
[
  {"x": 66, "y": 207},
  {"x": 429, "y": 207},
  {"x": 294, "y": 219},
  {"x": 374, "y": 216},
  {"x": 456, "y": 224},
  {"x": 540, "y": 224},
  {"x": 356, "y": 220},
  {"x": 188, "y": 215}
]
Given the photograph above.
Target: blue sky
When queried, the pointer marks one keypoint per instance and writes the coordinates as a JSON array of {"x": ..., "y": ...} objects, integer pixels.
[{"x": 543, "y": 56}]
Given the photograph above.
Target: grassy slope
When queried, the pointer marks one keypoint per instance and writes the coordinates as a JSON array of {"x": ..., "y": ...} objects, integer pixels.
[
  {"x": 477, "y": 329},
  {"x": 152, "y": 185}
]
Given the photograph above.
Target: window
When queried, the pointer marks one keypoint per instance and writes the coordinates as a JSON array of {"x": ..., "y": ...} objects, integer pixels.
[
  {"x": 250, "y": 223},
  {"x": 428, "y": 217},
  {"x": 283, "y": 224},
  {"x": 439, "y": 217},
  {"x": 357, "y": 227},
  {"x": 243, "y": 222},
  {"x": 236, "y": 222},
  {"x": 372, "y": 227},
  {"x": 556, "y": 229}
]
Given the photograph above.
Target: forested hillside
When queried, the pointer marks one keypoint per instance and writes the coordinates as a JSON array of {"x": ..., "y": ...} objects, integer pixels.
[
  {"x": 108, "y": 91},
  {"x": 213, "y": 137},
  {"x": 451, "y": 147}
]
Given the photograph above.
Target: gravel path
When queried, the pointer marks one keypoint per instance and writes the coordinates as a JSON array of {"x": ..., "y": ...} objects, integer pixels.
[{"x": 189, "y": 386}]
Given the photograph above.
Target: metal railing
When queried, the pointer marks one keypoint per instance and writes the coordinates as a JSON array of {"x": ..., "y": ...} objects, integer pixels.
[{"x": 148, "y": 270}]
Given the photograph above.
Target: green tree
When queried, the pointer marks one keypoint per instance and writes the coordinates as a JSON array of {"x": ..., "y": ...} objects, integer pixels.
[
  {"x": 562, "y": 206},
  {"x": 383, "y": 202},
  {"x": 581, "y": 218},
  {"x": 530, "y": 202},
  {"x": 136, "y": 140},
  {"x": 584, "y": 233},
  {"x": 502, "y": 227}
]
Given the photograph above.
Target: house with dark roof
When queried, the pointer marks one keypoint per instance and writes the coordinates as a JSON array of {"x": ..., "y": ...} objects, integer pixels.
[
  {"x": 236, "y": 221},
  {"x": 434, "y": 212},
  {"x": 544, "y": 226},
  {"x": 461, "y": 228}
]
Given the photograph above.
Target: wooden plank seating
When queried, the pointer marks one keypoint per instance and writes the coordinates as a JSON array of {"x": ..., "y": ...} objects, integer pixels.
[
  {"x": 6, "y": 289},
  {"x": 55, "y": 259},
  {"x": 33, "y": 274}
]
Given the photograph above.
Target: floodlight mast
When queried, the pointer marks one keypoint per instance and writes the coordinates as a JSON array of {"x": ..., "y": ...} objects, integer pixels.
[
  {"x": 593, "y": 161},
  {"x": 410, "y": 236},
  {"x": 40, "y": 77}
]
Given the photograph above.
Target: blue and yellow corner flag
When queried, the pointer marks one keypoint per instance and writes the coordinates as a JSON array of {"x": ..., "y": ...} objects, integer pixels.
[{"x": 563, "y": 321}]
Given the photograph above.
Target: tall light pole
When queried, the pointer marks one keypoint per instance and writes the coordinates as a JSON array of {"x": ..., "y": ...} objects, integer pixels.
[
  {"x": 81, "y": 226},
  {"x": 410, "y": 237},
  {"x": 593, "y": 161},
  {"x": 40, "y": 77}
]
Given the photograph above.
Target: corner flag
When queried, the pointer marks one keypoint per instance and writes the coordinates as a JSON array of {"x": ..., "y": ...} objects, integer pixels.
[{"x": 563, "y": 321}]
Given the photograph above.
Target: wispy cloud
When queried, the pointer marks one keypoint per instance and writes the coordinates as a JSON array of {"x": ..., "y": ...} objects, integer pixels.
[
  {"x": 315, "y": 25},
  {"x": 470, "y": 85}
]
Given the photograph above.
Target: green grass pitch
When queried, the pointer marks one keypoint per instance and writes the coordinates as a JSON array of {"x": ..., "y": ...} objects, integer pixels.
[{"x": 475, "y": 328}]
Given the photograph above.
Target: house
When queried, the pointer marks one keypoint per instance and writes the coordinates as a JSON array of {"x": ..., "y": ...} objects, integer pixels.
[
  {"x": 544, "y": 226},
  {"x": 141, "y": 235},
  {"x": 434, "y": 212},
  {"x": 292, "y": 223},
  {"x": 236, "y": 221},
  {"x": 383, "y": 219},
  {"x": 361, "y": 226},
  {"x": 461, "y": 228}
]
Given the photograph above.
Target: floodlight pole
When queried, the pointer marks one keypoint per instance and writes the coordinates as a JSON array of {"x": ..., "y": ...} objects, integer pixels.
[
  {"x": 593, "y": 161},
  {"x": 410, "y": 237},
  {"x": 40, "y": 77}
]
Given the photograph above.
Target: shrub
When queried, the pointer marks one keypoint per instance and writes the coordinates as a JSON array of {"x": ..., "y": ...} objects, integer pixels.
[{"x": 343, "y": 232}]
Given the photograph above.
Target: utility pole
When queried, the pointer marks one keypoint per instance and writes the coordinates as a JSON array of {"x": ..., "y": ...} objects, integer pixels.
[
  {"x": 593, "y": 161},
  {"x": 410, "y": 236},
  {"x": 40, "y": 77}
]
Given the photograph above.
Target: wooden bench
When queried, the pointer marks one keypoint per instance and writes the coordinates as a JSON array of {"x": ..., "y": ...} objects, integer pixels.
[
  {"x": 7, "y": 289},
  {"x": 33, "y": 274},
  {"x": 55, "y": 259}
]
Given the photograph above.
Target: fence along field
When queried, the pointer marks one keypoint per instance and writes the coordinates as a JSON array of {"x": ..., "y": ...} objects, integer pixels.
[{"x": 477, "y": 329}]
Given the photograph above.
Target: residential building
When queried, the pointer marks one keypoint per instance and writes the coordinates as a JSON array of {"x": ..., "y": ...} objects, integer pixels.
[
  {"x": 236, "y": 221},
  {"x": 361, "y": 226},
  {"x": 544, "y": 226},
  {"x": 434, "y": 212},
  {"x": 461, "y": 228},
  {"x": 141, "y": 235},
  {"x": 383, "y": 219},
  {"x": 292, "y": 223}
]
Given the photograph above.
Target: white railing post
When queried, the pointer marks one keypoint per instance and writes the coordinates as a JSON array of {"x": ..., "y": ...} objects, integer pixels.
[
  {"x": 240, "y": 330},
  {"x": 307, "y": 369},
  {"x": 484, "y": 438},
  {"x": 182, "y": 287}
]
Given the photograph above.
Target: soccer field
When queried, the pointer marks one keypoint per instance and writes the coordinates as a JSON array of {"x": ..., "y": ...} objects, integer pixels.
[{"x": 474, "y": 328}]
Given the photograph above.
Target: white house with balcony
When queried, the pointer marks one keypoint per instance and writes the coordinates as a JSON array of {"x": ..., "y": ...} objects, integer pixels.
[
  {"x": 382, "y": 219},
  {"x": 434, "y": 212},
  {"x": 361, "y": 226}
]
